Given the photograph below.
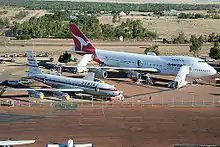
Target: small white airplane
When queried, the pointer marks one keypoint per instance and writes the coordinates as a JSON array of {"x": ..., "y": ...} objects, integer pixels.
[
  {"x": 10, "y": 143},
  {"x": 136, "y": 65},
  {"x": 61, "y": 85},
  {"x": 70, "y": 144}
]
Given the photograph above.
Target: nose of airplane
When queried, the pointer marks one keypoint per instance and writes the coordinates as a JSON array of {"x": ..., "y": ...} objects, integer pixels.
[{"x": 213, "y": 71}]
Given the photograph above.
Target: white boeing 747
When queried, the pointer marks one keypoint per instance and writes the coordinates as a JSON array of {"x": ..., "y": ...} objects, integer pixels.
[
  {"x": 61, "y": 85},
  {"x": 136, "y": 65}
]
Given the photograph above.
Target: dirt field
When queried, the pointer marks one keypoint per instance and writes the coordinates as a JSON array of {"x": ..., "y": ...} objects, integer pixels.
[
  {"x": 12, "y": 11},
  {"x": 170, "y": 27},
  {"x": 138, "y": 121},
  {"x": 58, "y": 46},
  {"x": 118, "y": 127}
]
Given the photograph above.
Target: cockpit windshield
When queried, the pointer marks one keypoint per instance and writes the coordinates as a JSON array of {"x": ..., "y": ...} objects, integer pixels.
[
  {"x": 201, "y": 61},
  {"x": 113, "y": 88}
]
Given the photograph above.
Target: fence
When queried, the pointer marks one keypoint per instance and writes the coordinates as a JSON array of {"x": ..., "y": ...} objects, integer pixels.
[{"x": 173, "y": 101}]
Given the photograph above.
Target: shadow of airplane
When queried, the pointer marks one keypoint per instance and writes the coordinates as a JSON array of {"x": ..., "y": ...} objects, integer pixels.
[{"x": 215, "y": 94}]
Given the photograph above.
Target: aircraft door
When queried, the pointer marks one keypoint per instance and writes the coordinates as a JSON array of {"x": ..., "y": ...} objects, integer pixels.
[
  {"x": 140, "y": 63},
  {"x": 97, "y": 88}
]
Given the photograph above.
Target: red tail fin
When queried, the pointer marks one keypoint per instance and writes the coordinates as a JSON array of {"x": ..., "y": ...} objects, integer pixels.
[{"x": 82, "y": 44}]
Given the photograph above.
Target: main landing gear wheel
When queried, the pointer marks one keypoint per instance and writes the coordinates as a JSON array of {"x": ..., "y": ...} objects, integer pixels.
[{"x": 148, "y": 80}]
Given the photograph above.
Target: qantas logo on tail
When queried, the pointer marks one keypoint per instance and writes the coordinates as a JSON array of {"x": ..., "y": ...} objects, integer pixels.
[
  {"x": 82, "y": 42},
  {"x": 82, "y": 45}
]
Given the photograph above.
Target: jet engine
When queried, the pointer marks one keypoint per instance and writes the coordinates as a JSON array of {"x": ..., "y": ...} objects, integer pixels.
[
  {"x": 99, "y": 73},
  {"x": 134, "y": 75},
  {"x": 36, "y": 94},
  {"x": 61, "y": 95}
]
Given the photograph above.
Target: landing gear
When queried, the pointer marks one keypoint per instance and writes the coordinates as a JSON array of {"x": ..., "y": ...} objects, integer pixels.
[
  {"x": 196, "y": 81},
  {"x": 173, "y": 84},
  {"x": 148, "y": 80}
]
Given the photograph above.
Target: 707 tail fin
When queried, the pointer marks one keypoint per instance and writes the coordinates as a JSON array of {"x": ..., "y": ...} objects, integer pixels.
[{"x": 32, "y": 64}]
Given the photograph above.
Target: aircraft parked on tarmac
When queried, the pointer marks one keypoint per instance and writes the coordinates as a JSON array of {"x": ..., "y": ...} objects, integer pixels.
[
  {"x": 10, "y": 143},
  {"x": 137, "y": 65},
  {"x": 61, "y": 85},
  {"x": 69, "y": 144}
]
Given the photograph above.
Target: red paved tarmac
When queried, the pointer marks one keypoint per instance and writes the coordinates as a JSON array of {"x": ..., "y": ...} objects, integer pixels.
[{"x": 118, "y": 127}]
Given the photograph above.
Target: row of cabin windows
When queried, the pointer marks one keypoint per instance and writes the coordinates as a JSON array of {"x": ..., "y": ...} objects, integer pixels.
[
  {"x": 202, "y": 70},
  {"x": 156, "y": 65},
  {"x": 86, "y": 84},
  {"x": 170, "y": 64},
  {"x": 177, "y": 60},
  {"x": 89, "y": 84}
]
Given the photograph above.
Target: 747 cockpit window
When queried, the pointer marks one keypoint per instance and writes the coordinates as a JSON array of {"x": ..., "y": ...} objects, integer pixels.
[{"x": 201, "y": 61}]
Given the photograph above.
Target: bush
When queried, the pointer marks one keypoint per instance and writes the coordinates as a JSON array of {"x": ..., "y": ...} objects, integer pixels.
[
  {"x": 196, "y": 44},
  {"x": 4, "y": 22},
  {"x": 65, "y": 58},
  {"x": 23, "y": 37},
  {"x": 21, "y": 15},
  {"x": 180, "y": 39},
  {"x": 3, "y": 12},
  {"x": 153, "y": 48},
  {"x": 215, "y": 51}
]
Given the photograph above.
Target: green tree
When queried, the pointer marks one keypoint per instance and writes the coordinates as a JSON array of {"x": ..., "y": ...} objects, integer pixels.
[
  {"x": 21, "y": 15},
  {"x": 65, "y": 58},
  {"x": 211, "y": 37},
  {"x": 215, "y": 51},
  {"x": 201, "y": 39},
  {"x": 180, "y": 39},
  {"x": 153, "y": 48},
  {"x": 114, "y": 18},
  {"x": 196, "y": 45}
]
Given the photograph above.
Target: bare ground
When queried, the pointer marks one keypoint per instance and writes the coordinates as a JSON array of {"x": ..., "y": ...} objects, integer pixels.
[
  {"x": 58, "y": 46},
  {"x": 116, "y": 126},
  {"x": 169, "y": 27}
]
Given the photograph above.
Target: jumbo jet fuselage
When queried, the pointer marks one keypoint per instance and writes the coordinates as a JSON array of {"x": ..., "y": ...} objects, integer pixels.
[{"x": 167, "y": 65}]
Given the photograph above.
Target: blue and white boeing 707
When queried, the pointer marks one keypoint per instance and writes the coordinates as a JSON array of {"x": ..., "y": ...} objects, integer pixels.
[{"x": 61, "y": 85}]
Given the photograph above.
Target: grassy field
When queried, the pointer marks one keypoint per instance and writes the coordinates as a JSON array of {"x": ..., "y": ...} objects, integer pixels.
[
  {"x": 153, "y": 1},
  {"x": 170, "y": 27},
  {"x": 12, "y": 11}
]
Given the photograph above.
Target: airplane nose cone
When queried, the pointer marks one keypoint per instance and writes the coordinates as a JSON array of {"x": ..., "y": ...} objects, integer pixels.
[{"x": 213, "y": 71}]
